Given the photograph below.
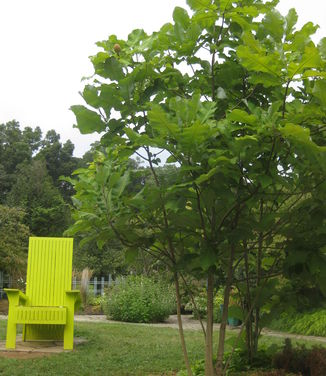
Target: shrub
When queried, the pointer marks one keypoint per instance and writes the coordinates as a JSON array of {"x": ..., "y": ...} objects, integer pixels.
[
  {"x": 139, "y": 299},
  {"x": 292, "y": 359},
  {"x": 200, "y": 301},
  {"x": 317, "y": 361},
  {"x": 301, "y": 360},
  {"x": 306, "y": 323}
]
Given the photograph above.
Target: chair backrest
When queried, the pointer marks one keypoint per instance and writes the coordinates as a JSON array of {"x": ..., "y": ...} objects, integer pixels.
[{"x": 49, "y": 270}]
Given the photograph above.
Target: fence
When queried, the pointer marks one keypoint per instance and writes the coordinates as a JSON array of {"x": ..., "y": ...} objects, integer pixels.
[{"x": 96, "y": 285}]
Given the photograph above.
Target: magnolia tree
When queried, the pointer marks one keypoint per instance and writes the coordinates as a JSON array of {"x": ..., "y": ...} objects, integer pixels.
[{"x": 233, "y": 95}]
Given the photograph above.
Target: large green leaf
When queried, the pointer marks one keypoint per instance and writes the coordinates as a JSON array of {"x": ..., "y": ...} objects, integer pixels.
[
  {"x": 88, "y": 121},
  {"x": 301, "y": 38},
  {"x": 302, "y": 136},
  {"x": 199, "y": 4},
  {"x": 112, "y": 69},
  {"x": 241, "y": 21},
  {"x": 322, "y": 48},
  {"x": 160, "y": 122},
  {"x": 110, "y": 97},
  {"x": 181, "y": 17},
  {"x": 242, "y": 117},
  {"x": 250, "y": 10},
  {"x": 249, "y": 40},
  {"x": 291, "y": 20},
  {"x": 310, "y": 59},
  {"x": 102, "y": 174},
  {"x": 122, "y": 183},
  {"x": 91, "y": 96},
  {"x": 260, "y": 63},
  {"x": 204, "y": 177},
  {"x": 319, "y": 91},
  {"x": 225, "y": 5},
  {"x": 274, "y": 24},
  {"x": 136, "y": 37},
  {"x": 205, "y": 18}
]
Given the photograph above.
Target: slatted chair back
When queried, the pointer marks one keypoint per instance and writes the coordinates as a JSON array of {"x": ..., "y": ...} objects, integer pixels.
[{"x": 49, "y": 270}]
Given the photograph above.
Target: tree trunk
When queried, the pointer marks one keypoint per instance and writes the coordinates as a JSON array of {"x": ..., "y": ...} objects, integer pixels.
[
  {"x": 209, "y": 368},
  {"x": 221, "y": 340},
  {"x": 181, "y": 332},
  {"x": 259, "y": 271},
  {"x": 248, "y": 307}
]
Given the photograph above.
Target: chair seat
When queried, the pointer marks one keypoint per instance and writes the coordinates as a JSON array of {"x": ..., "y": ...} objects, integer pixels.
[{"x": 40, "y": 315}]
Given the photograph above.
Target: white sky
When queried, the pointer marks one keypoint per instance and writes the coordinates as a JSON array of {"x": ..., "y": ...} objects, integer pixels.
[{"x": 45, "y": 44}]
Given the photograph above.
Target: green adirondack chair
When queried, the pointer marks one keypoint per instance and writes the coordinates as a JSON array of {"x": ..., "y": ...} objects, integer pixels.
[{"x": 47, "y": 309}]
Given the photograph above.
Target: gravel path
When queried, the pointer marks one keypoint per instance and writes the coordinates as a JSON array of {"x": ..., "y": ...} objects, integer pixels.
[{"x": 188, "y": 324}]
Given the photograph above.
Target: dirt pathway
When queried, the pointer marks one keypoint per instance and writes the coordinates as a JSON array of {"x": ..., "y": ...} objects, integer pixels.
[
  {"x": 191, "y": 324},
  {"x": 188, "y": 324}
]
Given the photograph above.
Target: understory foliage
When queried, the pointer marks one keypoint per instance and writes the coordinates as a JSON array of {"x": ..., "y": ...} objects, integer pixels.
[
  {"x": 139, "y": 299},
  {"x": 297, "y": 360},
  {"x": 232, "y": 94},
  {"x": 301, "y": 360},
  {"x": 310, "y": 323}
]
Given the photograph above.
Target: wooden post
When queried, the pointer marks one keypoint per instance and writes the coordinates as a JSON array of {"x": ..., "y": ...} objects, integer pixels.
[
  {"x": 95, "y": 286},
  {"x": 109, "y": 280},
  {"x": 102, "y": 286}
]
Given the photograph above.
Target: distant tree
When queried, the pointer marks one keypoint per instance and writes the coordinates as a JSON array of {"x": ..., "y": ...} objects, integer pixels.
[
  {"x": 59, "y": 161},
  {"x": 13, "y": 241},
  {"x": 46, "y": 211},
  {"x": 16, "y": 147}
]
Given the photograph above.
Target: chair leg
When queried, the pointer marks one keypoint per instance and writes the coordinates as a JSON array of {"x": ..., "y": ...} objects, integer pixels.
[
  {"x": 68, "y": 335},
  {"x": 11, "y": 335}
]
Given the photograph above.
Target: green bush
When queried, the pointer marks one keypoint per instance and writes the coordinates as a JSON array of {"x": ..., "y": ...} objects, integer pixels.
[
  {"x": 139, "y": 299},
  {"x": 306, "y": 323},
  {"x": 201, "y": 304}
]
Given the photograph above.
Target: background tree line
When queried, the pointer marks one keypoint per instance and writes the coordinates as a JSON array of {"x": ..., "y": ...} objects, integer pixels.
[{"x": 33, "y": 198}]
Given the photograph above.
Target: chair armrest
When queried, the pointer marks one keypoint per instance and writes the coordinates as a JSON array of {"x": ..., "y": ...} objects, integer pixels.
[
  {"x": 73, "y": 293},
  {"x": 74, "y": 297},
  {"x": 15, "y": 296}
]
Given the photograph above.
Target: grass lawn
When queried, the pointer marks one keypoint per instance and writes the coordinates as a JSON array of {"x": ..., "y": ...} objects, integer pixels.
[{"x": 116, "y": 349}]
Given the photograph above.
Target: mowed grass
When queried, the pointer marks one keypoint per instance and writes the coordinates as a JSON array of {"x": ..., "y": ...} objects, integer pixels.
[{"x": 117, "y": 349}]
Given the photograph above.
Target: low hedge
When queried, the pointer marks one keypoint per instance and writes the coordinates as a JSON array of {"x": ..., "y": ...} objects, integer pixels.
[{"x": 140, "y": 299}]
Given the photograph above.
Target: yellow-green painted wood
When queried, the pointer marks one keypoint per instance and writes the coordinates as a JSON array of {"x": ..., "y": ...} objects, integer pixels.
[
  {"x": 40, "y": 315},
  {"x": 47, "y": 309}
]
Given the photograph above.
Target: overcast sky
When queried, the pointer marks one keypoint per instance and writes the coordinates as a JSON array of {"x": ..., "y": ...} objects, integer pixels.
[{"x": 45, "y": 44}]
